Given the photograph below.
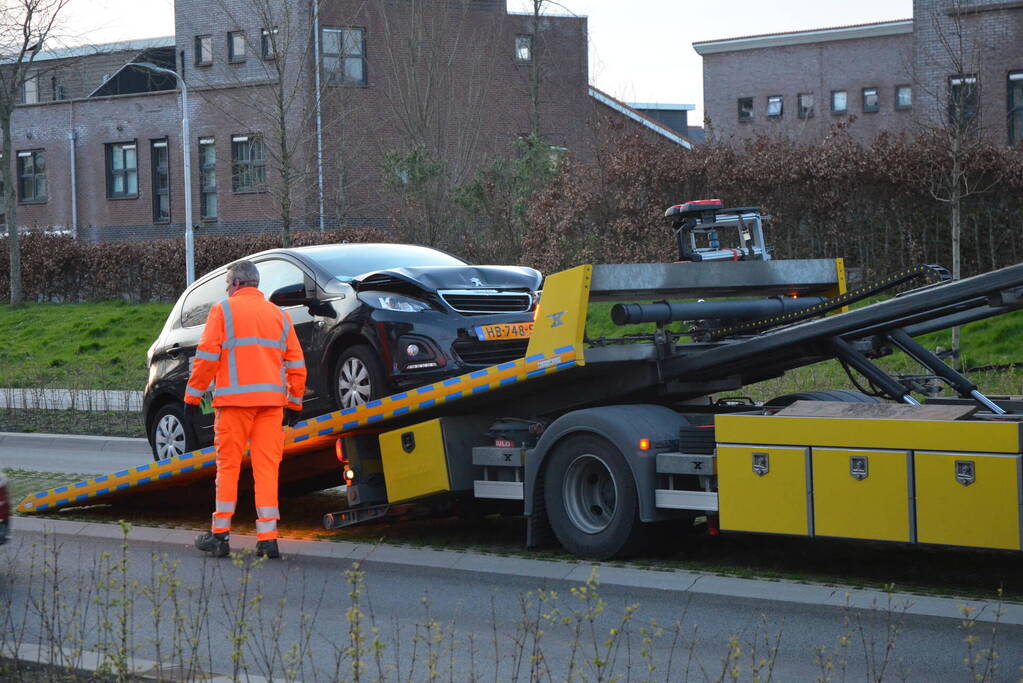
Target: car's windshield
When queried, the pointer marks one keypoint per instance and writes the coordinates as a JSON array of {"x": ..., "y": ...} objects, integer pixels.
[{"x": 346, "y": 261}]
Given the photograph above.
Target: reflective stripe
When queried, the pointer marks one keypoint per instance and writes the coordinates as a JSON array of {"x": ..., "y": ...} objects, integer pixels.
[
  {"x": 264, "y": 527},
  {"x": 189, "y": 391},
  {"x": 225, "y": 506},
  {"x": 291, "y": 364},
  {"x": 248, "y": 389},
  {"x": 268, "y": 512},
  {"x": 255, "y": 341},
  {"x": 294, "y": 399},
  {"x": 221, "y": 524},
  {"x": 206, "y": 355},
  {"x": 285, "y": 327},
  {"x": 232, "y": 367},
  {"x": 225, "y": 306}
]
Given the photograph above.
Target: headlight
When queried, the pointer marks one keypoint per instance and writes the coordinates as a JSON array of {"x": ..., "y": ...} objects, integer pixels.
[{"x": 393, "y": 302}]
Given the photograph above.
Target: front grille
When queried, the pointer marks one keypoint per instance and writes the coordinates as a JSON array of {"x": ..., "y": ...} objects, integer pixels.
[
  {"x": 476, "y": 303},
  {"x": 473, "y": 352}
]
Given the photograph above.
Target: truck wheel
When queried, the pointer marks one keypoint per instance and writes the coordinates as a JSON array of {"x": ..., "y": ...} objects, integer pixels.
[
  {"x": 358, "y": 377},
  {"x": 169, "y": 435},
  {"x": 591, "y": 499},
  {"x": 838, "y": 395}
]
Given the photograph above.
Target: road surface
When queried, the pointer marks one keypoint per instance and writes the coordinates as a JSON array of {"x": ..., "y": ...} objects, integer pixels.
[
  {"x": 469, "y": 615},
  {"x": 64, "y": 453}
]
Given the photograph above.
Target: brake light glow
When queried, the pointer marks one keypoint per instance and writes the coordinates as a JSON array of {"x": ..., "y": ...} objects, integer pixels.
[{"x": 644, "y": 444}]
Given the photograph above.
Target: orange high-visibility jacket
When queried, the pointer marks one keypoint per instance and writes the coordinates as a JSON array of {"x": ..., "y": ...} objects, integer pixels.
[{"x": 249, "y": 346}]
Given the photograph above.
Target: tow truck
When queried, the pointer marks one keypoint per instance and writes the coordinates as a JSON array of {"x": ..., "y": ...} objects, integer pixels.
[{"x": 600, "y": 442}]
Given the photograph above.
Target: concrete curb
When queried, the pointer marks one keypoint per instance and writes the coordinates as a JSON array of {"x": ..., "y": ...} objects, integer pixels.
[
  {"x": 102, "y": 444},
  {"x": 92, "y": 661},
  {"x": 576, "y": 572}
]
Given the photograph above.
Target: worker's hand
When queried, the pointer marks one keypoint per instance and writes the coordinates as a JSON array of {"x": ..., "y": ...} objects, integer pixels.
[
  {"x": 290, "y": 417},
  {"x": 192, "y": 412}
]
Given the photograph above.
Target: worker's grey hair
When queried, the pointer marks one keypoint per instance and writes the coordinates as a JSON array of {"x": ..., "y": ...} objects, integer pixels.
[{"x": 244, "y": 271}]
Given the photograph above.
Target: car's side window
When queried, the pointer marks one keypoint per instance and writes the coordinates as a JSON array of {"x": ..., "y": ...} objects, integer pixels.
[
  {"x": 199, "y": 301},
  {"x": 277, "y": 273}
]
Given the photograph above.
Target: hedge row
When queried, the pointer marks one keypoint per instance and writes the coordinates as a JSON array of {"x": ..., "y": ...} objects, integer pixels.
[
  {"x": 59, "y": 268},
  {"x": 879, "y": 206}
]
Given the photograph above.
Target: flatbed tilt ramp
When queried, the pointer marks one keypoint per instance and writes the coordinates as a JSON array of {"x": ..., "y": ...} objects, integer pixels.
[{"x": 565, "y": 376}]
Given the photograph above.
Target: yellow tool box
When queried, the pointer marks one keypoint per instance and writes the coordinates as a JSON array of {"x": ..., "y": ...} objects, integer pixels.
[
  {"x": 945, "y": 482},
  {"x": 429, "y": 457}
]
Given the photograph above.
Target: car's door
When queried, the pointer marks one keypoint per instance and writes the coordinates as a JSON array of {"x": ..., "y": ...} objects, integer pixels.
[
  {"x": 276, "y": 272},
  {"x": 181, "y": 344}
]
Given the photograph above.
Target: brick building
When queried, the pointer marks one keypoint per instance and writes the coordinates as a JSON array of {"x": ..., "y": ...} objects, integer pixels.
[
  {"x": 332, "y": 100},
  {"x": 954, "y": 60}
]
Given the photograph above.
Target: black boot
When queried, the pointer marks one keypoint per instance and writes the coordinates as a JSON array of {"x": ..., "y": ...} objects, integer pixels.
[
  {"x": 214, "y": 544},
  {"x": 268, "y": 549}
]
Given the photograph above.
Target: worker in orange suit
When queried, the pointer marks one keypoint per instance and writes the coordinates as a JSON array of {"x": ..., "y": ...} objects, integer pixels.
[{"x": 250, "y": 349}]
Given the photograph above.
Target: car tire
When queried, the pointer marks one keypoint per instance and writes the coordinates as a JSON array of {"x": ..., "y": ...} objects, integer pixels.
[
  {"x": 358, "y": 377},
  {"x": 591, "y": 499},
  {"x": 169, "y": 433}
]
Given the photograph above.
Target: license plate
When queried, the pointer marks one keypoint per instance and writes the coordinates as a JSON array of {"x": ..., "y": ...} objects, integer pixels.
[{"x": 504, "y": 331}]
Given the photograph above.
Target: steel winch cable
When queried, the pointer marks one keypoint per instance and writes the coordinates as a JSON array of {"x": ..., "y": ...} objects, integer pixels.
[{"x": 833, "y": 303}]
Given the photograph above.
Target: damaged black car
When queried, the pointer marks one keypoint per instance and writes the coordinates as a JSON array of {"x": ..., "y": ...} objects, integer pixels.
[{"x": 373, "y": 319}]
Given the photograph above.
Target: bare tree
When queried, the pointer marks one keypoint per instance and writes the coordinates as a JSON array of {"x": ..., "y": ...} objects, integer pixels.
[
  {"x": 440, "y": 60},
  {"x": 25, "y": 25},
  {"x": 277, "y": 97},
  {"x": 954, "y": 124},
  {"x": 537, "y": 61}
]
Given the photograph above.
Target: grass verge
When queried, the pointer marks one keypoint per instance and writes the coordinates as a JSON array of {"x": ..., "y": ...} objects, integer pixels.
[{"x": 99, "y": 345}]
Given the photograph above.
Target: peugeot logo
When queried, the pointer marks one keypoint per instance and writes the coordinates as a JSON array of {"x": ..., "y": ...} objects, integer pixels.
[{"x": 475, "y": 282}]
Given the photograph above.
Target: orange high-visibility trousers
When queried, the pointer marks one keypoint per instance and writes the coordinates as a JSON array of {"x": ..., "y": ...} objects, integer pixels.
[{"x": 259, "y": 430}]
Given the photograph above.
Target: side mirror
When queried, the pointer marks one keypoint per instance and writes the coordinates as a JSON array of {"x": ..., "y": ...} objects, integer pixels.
[{"x": 291, "y": 295}]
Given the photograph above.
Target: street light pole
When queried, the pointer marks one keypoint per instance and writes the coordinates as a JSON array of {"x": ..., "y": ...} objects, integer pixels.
[{"x": 186, "y": 166}]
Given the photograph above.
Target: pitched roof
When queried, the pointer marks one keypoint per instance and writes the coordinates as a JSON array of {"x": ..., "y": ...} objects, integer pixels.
[{"x": 640, "y": 118}]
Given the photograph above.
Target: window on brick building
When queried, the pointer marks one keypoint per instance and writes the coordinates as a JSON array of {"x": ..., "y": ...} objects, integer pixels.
[
  {"x": 524, "y": 49},
  {"x": 962, "y": 101},
  {"x": 122, "y": 170},
  {"x": 236, "y": 46},
  {"x": 871, "y": 100},
  {"x": 268, "y": 44},
  {"x": 32, "y": 176},
  {"x": 344, "y": 55},
  {"x": 1015, "y": 107},
  {"x": 248, "y": 163},
  {"x": 745, "y": 108},
  {"x": 805, "y": 110},
  {"x": 774, "y": 106},
  {"x": 30, "y": 89},
  {"x": 203, "y": 50},
  {"x": 207, "y": 179},
  {"x": 839, "y": 101},
  {"x": 160, "y": 160},
  {"x": 903, "y": 97}
]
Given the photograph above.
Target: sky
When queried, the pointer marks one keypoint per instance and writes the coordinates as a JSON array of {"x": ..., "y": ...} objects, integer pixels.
[{"x": 640, "y": 50}]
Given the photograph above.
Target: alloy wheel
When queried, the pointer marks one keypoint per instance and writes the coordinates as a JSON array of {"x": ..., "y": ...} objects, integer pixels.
[
  {"x": 354, "y": 387},
  {"x": 169, "y": 437}
]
